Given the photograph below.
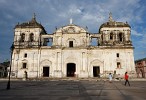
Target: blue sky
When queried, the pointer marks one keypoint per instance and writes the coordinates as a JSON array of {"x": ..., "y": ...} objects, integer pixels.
[{"x": 56, "y": 13}]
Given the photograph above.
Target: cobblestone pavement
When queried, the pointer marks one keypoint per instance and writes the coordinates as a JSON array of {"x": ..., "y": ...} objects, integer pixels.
[{"x": 73, "y": 90}]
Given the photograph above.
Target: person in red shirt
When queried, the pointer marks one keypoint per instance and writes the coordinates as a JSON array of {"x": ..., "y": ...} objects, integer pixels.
[{"x": 126, "y": 79}]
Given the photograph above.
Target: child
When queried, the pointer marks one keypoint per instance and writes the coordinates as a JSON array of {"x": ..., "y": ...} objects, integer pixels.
[{"x": 110, "y": 77}]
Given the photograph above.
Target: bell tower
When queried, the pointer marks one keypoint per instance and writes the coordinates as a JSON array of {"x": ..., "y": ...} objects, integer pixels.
[
  {"x": 28, "y": 34},
  {"x": 115, "y": 33}
]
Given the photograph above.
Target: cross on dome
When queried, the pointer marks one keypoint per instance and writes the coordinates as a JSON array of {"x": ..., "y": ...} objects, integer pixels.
[{"x": 110, "y": 17}]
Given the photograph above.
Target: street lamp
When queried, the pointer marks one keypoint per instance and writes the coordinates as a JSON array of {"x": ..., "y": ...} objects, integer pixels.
[{"x": 11, "y": 51}]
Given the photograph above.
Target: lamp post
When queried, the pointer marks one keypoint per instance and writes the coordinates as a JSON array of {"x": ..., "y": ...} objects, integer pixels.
[{"x": 11, "y": 51}]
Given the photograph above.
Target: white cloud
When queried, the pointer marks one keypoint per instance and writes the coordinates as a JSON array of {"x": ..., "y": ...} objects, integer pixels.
[
  {"x": 73, "y": 9},
  {"x": 91, "y": 13},
  {"x": 143, "y": 41},
  {"x": 133, "y": 32}
]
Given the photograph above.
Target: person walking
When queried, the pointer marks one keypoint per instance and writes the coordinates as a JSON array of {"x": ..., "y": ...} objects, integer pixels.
[
  {"x": 126, "y": 79},
  {"x": 110, "y": 77}
]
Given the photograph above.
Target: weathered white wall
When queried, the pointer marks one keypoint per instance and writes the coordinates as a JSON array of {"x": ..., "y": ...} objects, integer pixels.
[{"x": 84, "y": 59}]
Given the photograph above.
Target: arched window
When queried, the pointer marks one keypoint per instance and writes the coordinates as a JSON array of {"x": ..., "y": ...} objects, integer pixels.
[
  {"x": 24, "y": 65},
  {"x": 70, "y": 43},
  {"x": 101, "y": 36},
  {"x": 25, "y": 55},
  {"x": 117, "y": 54},
  {"x": 118, "y": 65},
  {"x": 31, "y": 37},
  {"x": 111, "y": 36},
  {"x": 120, "y": 37},
  {"x": 22, "y": 37}
]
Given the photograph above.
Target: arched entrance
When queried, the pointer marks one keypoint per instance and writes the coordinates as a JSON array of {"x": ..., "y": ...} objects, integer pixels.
[
  {"x": 46, "y": 71},
  {"x": 97, "y": 68},
  {"x": 71, "y": 69},
  {"x": 45, "y": 68},
  {"x": 96, "y": 71}
]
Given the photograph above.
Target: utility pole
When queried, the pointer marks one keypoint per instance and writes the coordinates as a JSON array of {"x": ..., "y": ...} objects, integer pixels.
[{"x": 11, "y": 51}]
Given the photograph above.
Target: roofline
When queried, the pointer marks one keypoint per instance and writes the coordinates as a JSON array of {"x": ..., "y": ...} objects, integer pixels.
[{"x": 140, "y": 59}]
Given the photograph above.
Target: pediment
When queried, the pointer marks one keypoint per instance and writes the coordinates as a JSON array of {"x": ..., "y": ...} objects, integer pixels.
[{"x": 71, "y": 29}]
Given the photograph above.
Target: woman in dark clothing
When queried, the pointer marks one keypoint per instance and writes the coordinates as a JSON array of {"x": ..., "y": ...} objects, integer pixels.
[{"x": 126, "y": 79}]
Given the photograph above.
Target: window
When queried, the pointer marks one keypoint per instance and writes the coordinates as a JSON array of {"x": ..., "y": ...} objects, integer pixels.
[
  {"x": 117, "y": 54},
  {"x": 111, "y": 36},
  {"x": 24, "y": 65},
  {"x": 101, "y": 36},
  {"x": 23, "y": 37},
  {"x": 70, "y": 43},
  {"x": 49, "y": 41},
  {"x": 94, "y": 41},
  {"x": 120, "y": 37},
  {"x": 25, "y": 55},
  {"x": 118, "y": 65},
  {"x": 31, "y": 37}
]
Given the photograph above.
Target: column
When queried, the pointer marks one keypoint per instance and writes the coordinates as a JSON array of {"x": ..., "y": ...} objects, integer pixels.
[{"x": 83, "y": 61}]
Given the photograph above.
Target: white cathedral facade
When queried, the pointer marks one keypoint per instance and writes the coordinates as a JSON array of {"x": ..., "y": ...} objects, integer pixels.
[{"x": 68, "y": 52}]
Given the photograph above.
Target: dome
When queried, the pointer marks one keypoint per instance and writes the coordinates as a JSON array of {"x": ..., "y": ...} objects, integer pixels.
[
  {"x": 112, "y": 23},
  {"x": 31, "y": 24}
]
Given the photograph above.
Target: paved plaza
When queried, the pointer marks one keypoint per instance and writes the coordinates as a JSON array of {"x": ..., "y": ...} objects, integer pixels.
[{"x": 72, "y": 90}]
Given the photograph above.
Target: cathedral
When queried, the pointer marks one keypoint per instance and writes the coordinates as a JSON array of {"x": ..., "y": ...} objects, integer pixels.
[{"x": 70, "y": 52}]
